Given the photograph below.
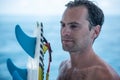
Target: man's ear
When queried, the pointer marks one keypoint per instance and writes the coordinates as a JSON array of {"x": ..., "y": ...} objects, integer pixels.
[{"x": 95, "y": 31}]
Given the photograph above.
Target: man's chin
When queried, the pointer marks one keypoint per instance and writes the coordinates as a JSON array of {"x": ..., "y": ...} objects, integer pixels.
[{"x": 67, "y": 49}]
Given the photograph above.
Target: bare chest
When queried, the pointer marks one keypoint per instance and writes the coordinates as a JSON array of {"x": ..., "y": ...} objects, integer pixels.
[{"x": 75, "y": 74}]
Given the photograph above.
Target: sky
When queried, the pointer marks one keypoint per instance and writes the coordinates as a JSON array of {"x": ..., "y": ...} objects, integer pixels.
[{"x": 50, "y": 7}]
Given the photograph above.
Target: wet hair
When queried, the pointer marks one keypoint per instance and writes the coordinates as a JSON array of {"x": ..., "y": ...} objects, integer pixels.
[{"x": 95, "y": 14}]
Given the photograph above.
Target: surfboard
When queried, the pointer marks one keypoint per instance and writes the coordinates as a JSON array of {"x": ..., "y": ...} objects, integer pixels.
[{"x": 35, "y": 47}]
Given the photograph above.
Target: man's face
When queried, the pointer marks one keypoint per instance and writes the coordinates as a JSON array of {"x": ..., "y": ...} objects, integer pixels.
[{"x": 75, "y": 33}]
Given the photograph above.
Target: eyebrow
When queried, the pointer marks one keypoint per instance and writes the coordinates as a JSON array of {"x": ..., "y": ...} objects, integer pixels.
[{"x": 70, "y": 23}]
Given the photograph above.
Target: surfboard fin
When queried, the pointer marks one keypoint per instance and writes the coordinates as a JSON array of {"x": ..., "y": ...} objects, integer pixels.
[
  {"x": 17, "y": 73},
  {"x": 26, "y": 42}
]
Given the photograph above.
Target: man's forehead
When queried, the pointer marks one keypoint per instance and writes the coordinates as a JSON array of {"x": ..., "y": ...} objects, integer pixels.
[
  {"x": 77, "y": 9},
  {"x": 76, "y": 13}
]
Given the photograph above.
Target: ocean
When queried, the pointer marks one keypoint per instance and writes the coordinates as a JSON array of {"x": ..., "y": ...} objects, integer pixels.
[{"x": 107, "y": 45}]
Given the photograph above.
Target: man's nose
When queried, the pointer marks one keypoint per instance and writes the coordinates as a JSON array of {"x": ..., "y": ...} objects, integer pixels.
[{"x": 66, "y": 30}]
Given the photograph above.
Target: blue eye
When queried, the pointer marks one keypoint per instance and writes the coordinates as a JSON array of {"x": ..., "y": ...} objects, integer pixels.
[
  {"x": 62, "y": 25},
  {"x": 73, "y": 26}
]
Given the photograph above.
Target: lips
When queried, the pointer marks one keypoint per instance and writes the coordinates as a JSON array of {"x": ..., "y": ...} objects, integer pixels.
[{"x": 65, "y": 41}]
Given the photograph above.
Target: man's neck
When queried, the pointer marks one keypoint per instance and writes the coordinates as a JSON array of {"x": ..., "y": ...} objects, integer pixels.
[{"x": 82, "y": 60}]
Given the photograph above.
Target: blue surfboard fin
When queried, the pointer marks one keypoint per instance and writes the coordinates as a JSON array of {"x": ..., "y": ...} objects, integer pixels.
[
  {"x": 27, "y": 43},
  {"x": 17, "y": 73},
  {"x": 16, "y": 76}
]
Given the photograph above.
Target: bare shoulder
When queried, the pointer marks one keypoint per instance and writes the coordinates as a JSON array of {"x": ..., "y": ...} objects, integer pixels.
[
  {"x": 102, "y": 73},
  {"x": 97, "y": 72},
  {"x": 64, "y": 66}
]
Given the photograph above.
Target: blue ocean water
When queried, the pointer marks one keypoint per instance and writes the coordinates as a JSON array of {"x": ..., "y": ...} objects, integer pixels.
[{"x": 107, "y": 46}]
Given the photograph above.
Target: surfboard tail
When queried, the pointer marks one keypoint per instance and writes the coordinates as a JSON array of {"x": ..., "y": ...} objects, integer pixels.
[{"x": 35, "y": 47}]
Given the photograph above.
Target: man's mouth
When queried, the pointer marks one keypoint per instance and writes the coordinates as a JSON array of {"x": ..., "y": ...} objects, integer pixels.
[{"x": 65, "y": 41}]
